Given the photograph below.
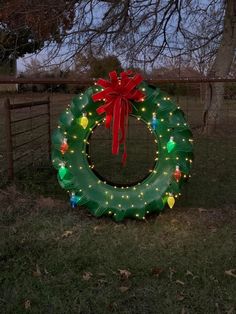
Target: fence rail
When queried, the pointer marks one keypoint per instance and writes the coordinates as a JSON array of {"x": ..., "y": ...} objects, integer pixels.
[
  {"x": 10, "y": 134},
  {"x": 28, "y": 142},
  {"x": 88, "y": 82}
]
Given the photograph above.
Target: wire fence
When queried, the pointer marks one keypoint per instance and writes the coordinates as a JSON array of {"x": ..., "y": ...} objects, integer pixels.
[
  {"x": 39, "y": 116},
  {"x": 23, "y": 131}
]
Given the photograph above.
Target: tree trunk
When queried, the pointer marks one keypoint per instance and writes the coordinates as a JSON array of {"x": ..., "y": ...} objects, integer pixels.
[{"x": 214, "y": 95}]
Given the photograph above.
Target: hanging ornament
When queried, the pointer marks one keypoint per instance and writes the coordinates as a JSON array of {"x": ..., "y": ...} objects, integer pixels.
[
  {"x": 84, "y": 121},
  {"x": 64, "y": 146},
  {"x": 177, "y": 174},
  {"x": 171, "y": 200},
  {"x": 154, "y": 121},
  {"x": 171, "y": 144},
  {"x": 62, "y": 171},
  {"x": 74, "y": 200}
]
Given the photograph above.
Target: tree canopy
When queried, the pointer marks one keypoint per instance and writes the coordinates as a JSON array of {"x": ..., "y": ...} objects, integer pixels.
[
  {"x": 91, "y": 66},
  {"x": 26, "y": 26}
]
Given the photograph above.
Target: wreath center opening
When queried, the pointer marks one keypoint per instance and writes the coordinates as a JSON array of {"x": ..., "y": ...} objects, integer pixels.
[{"x": 141, "y": 147}]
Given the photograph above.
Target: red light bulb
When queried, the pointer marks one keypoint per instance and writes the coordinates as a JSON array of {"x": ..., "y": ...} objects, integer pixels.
[
  {"x": 177, "y": 174},
  {"x": 64, "y": 147}
]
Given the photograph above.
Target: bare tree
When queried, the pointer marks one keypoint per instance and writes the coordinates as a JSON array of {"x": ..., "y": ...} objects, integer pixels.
[
  {"x": 140, "y": 32},
  {"x": 220, "y": 68}
]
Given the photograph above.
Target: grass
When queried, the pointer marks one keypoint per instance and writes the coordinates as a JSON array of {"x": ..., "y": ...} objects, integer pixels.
[
  {"x": 61, "y": 260},
  {"x": 54, "y": 259}
]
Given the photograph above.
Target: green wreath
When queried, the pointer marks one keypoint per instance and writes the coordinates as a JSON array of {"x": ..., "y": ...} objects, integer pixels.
[{"x": 172, "y": 163}]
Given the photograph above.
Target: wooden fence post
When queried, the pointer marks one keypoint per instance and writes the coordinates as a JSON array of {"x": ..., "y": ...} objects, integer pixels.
[
  {"x": 9, "y": 146},
  {"x": 49, "y": 128}
]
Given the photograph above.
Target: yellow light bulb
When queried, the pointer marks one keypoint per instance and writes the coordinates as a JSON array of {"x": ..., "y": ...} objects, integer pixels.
[
  {"x": 171, "y": 200},
  {"x": 84, "y": 121}
]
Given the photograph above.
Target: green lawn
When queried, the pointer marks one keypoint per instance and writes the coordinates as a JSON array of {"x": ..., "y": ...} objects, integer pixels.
[{"x": 65, "y": 261}]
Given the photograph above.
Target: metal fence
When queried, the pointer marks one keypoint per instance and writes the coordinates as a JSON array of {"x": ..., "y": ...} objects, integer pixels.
[
  {"x": 29, "y": 111},
  {"x": 12, "y": 134}
]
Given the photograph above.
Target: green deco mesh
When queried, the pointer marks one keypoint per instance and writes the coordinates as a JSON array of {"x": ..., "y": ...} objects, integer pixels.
[{"x": 75, "y": 173}]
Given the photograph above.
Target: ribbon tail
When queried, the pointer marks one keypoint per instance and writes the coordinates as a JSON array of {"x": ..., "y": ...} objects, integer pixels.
[
  {"x": 124, "y": 156},
  {"x": 122, "y": 122},
  {"x": 108, "y": 120},
  {"x": 125, "y": 110},
  {"x": 116, "y": 126},
  {"x": 107, "y": 108},
  {"x": 125, "y": 131}
]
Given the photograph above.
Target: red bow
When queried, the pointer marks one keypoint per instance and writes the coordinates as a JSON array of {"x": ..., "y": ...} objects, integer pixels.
[{"x": 117, "y": 94}]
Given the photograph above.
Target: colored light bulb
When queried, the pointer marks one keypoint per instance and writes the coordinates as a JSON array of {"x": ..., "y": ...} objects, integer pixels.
[
  {"x": 74, "y": 200},
  {"x": 171, "y": 200},
  {"x": 62, "y": 171},
  {"x": 64, "y": 146},
  {"x": 164, "y": 199},
  {"x": 171, "y": 144},
  {"x": 177, "y": 174},
  {"x": 84, "y": 121},
  {"x": 154, "y": 121}
]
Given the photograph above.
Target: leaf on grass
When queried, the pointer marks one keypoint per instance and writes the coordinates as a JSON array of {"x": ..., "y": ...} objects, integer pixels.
[
  {"x": 156, "y": 271},
  {"x": 87, "y": 275},
  {"x": 230, "y": 311},
  {"x": 172, "y": 272},
  {"x": 102, "y": 281},
  {"x": 125, "y": 274},
  {"x": 37, "y": 272},
  {"x": 67, "y": 233},
  {"x": 98, "y": 228},
  {"x": 218, "y": 311},
  {"x": 180, "y": 282},
  {"x": 14, "y": 230},
  {"x": 112, "y": 306},
  {"x": 231, "y": 272},
  {"x": 180, "y": 297},
  {"x": 123, "y": 289},
  {"x": 27, "y": 304},
  {"x": 189, "y": 273},
  {"x": 184, "y": 311},
  {"x": 212, "y": 228}
]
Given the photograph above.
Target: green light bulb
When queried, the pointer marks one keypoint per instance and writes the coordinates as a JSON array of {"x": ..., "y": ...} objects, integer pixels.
[
  {"x": 171, "y": 144},
  {"x": 62, "y": 171}
]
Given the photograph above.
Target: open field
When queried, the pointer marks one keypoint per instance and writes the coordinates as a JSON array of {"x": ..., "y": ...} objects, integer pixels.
[{"x": 54, "y": 259}]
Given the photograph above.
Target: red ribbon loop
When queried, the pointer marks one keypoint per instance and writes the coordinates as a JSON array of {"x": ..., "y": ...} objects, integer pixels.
[{"x": 118, "y": 94}]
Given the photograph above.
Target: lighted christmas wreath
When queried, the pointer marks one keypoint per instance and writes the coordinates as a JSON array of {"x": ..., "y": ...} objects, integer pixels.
[{"x": 117, "y": 99}]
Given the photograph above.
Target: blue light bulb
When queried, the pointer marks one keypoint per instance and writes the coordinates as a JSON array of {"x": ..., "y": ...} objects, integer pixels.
[
  {"x": 74, "y": 200},
  {"x": 154, "y": 121}
]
